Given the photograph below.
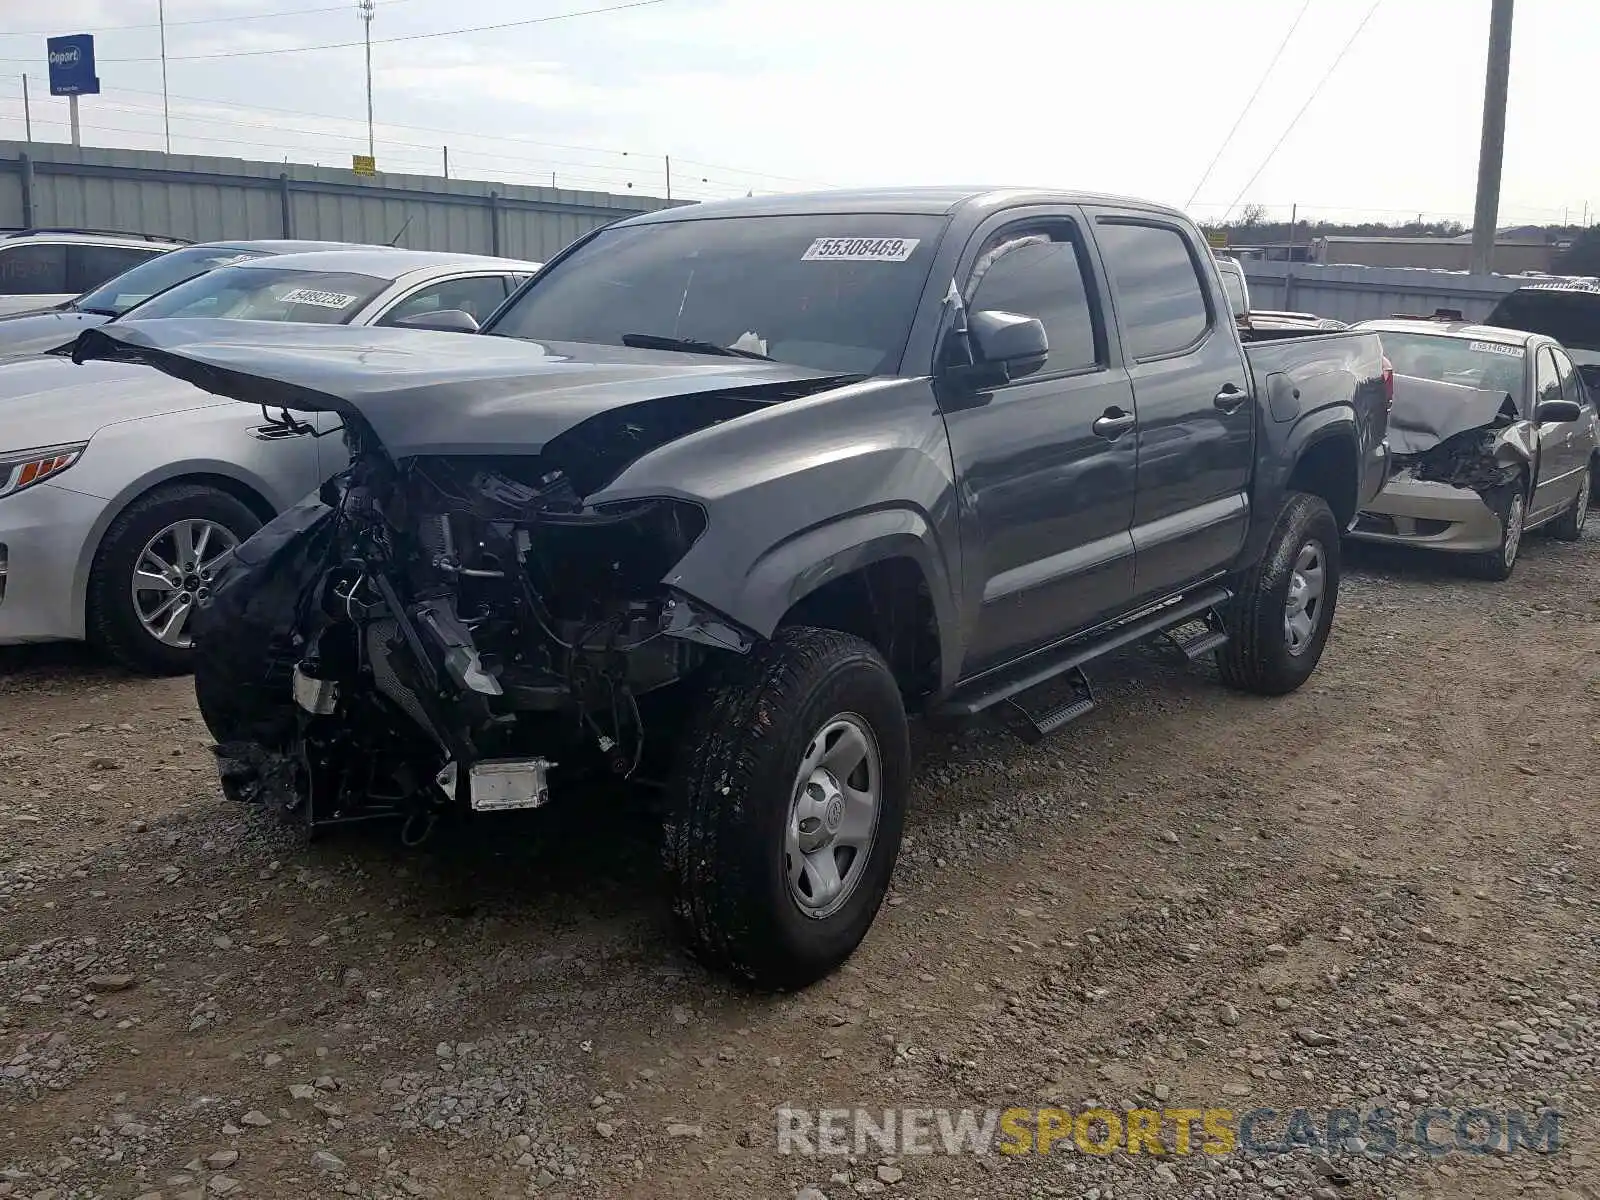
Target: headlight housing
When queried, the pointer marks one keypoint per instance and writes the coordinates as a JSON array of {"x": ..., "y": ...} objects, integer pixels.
[{"x": 24, "y": 468}]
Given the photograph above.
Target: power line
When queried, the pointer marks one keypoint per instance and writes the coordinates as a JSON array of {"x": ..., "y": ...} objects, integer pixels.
[
  {"x": 1245, "y": 111},
  {"x": 410, "y": 37},
  {"x": 1315, "y": 92},
  {"x": 229, "y": 20}
]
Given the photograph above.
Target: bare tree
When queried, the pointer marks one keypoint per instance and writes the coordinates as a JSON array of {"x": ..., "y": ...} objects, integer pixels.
[{"x": 1251, "y": 215}]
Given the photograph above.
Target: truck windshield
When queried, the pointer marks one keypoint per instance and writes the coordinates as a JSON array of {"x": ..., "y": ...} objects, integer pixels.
[
  {"x": 1479, "y": 364},
  {"x": 837, "y": 293},
  {"x": 267, "y": 294}
]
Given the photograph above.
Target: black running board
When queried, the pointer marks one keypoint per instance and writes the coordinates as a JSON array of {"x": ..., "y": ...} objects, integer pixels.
[
  {"x": 1045, "y": 665},
  {"x": 1034, "y": 726}
]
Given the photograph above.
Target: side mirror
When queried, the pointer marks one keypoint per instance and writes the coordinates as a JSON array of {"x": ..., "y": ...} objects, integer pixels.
[
  {"x": 1557, "y": 411},
  {"x": 444, "y": 320},
  {"x": 1005, "y": 346}
]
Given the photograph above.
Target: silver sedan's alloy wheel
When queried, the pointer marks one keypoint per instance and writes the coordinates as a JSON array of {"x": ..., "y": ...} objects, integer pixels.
[
  {"x": 173, "y": 572},
  {"x": 1303, "y": 608},
  {"x": 1581, "y": 513},
  {"x": 1513, "y": 540},
  {"x": 833, "y": 815}
]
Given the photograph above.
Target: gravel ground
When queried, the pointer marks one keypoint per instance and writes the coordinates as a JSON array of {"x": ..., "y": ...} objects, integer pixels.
[{"x": 1380, "y": 891}]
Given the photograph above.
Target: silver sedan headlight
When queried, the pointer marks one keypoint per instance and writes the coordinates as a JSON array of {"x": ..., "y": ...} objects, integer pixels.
[{"x": 24, "y": 468}]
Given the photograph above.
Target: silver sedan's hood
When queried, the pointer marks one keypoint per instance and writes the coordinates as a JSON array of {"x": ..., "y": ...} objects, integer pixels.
[{"x": 47, "y": 401}]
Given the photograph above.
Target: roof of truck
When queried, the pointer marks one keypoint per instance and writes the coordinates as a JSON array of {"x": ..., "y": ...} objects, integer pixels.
[{"x": 934, "y": 201}]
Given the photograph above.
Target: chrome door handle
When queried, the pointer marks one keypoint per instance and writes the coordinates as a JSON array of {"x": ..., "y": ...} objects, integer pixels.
[
  {"x": 1230, "y": 399},
  {"x": 1113, "y": 424}
]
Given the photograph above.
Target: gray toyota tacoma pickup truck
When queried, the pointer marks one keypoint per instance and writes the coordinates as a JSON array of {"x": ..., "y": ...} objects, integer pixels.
[{"x": 727, "y": 491}]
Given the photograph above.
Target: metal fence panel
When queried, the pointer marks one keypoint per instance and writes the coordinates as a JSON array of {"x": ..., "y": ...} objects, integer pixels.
[
  {"x": 206, "y": 199},
  {"x": 1362, "y": 293}
]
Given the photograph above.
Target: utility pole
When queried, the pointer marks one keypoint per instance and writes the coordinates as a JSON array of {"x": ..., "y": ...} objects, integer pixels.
[
  {"x": 166, "y": 116},
  {"x": 1491, "y": 152},
  {"x": 447, "y": 162},
  {"x": 367, "y": 9},
  {"x": 668, "y": 157},
  {"x": 27, "y": 112}
]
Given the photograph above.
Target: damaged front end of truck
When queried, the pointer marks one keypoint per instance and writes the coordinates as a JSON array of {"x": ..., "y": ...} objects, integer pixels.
[{"x": 452, "y": 622}]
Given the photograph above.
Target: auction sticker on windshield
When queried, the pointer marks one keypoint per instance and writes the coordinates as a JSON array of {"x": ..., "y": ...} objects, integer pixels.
[
  {"x": 1495, "y": 348},
  {"x": 320, "y": 299},
  {"x": 860, "y": 249}
]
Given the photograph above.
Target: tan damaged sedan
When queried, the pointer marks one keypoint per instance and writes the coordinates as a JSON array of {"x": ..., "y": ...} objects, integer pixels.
[{"x": 1492, "y": 434}]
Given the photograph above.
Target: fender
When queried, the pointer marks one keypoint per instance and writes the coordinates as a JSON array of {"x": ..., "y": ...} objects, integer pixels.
[
  {"x": 804, "y": 562},
  {"x": 1334, "y": 424}
]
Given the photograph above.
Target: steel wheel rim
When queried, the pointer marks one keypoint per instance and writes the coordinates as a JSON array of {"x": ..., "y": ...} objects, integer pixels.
[
  {"x": 173, "y": 572},
  {"x": 1513, "y": 530},
  {"x": 833, "y": 815},
  {"x": 1302, "y": 610}
]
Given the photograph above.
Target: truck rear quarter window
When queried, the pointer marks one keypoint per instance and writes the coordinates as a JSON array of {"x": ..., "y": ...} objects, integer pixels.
[
  {"x": 1039, "y": 273},
  {"x": 1161, "y": 298}
]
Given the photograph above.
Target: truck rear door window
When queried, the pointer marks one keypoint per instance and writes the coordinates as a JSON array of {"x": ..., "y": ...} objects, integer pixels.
[
  {"x": 1039, "y": 274},
  {"x": 1161, "y": 299}
]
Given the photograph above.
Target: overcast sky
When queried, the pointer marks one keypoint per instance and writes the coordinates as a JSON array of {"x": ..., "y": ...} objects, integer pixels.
[{"x": 1134, "y": 96}]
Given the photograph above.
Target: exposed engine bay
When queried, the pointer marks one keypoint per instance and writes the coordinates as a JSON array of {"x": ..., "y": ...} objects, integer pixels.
[
  {"x": 1465, "y": 437},
  {"x": 464, "y": 627}
]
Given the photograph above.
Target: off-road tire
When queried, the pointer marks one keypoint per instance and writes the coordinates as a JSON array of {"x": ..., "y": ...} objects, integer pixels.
[
  {"x": 112, "y": 624},
  {"x": 1493, "y": 564},
  {"x": 730, "y": 794},
  {"x": 1568, "y": 527},
  {"x": 1256, "y": 657}
]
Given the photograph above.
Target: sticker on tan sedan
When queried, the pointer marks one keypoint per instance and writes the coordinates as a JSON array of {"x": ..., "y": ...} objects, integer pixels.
[{"x": 1495, "y": 348}]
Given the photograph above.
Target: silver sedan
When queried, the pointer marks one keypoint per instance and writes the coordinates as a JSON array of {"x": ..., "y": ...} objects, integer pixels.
[{"x": 121, "y": 487}]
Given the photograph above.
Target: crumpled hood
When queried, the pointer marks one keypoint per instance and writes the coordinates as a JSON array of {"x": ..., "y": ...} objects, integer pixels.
[
  {"x": 26, "y": 334},
  {"x": 426, "y": 393},
  {"x": 1426, "y": 412},
  {"x": 46, "y": 401}
]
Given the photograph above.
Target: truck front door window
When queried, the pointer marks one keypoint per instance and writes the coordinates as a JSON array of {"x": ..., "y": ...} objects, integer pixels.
[
  {"x": 1036, "y": 276},
  {"x": 1161, "y": 298}
]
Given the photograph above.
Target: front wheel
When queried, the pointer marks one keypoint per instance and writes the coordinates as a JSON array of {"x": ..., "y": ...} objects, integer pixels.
[
  {"x": 1278, "y": 623},
  {"x": 787, "y": 806},
  {"x": 155, "y": 565},
  {"x": 1498, "y": 563}
]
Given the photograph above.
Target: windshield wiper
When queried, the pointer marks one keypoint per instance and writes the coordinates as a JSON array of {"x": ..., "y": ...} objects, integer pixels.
[
  {"x": 99, "y": 312},
  {"x": 656, "y": 341}
]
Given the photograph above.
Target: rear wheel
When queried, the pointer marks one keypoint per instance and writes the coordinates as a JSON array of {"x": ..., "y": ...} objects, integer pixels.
[
  {"x": 786, "y": 809},
  {"x": 1278, "y": 624},
  {"x": 155, "y": 564},
  {"x": 1568, "y": 527}
]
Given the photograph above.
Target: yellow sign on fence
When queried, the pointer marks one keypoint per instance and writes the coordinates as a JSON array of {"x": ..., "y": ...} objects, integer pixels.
[{"x": 363, "y": 164}]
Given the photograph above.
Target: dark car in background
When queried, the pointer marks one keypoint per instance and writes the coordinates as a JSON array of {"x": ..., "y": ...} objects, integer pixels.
[
  {"x": 1567, "y": 310},
  {"x": 36, "y": 331}
]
